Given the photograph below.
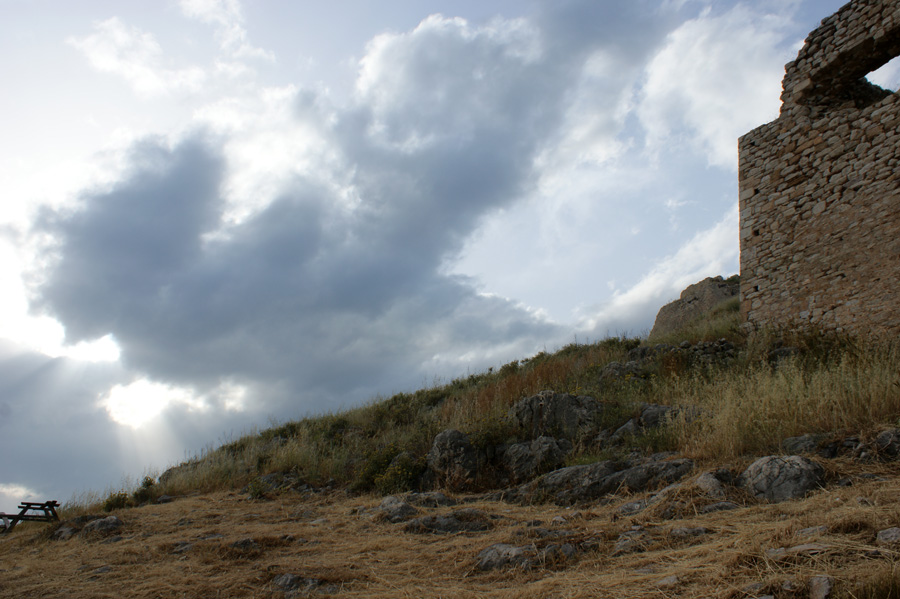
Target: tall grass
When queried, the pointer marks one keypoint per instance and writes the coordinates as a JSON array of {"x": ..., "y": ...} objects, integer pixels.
[{"x": 745, "y": 407}]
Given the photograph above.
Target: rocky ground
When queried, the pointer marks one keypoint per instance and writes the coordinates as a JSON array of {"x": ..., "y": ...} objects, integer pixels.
[{"x": 790, "y": 526}]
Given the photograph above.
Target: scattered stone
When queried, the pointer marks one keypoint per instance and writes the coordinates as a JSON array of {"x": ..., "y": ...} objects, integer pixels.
[
  {"x": 394, "y": 510},
  {"x": 807, "y": 549},
  {"x": 685, "y": 532},
  {"x": 293, "y": 582},
  {"x": 245, "y": 545},
  {"x": 501, "y": 555},
  {"x": 812, "y": 531},
  {"x": 631, "y": 541},
  {"x": 713, "y": 483},
  {"x": 463, "y": 520},
  {"x": 102, "y": 526},
  {"x": 668, "y": 582},
  {"x": 64, "y": 533},
  {"x": 779, "y": 478},
  {"x": 887, "y": 444},
  {"x": 719, "y": 506},
  {"x": 820, "y": 587},
  {"x": 430, "y": 499},
  {"x": 803, "y": 444},
  {"x": 633, "y": 507},
  {"x": 888, "y": 536}
]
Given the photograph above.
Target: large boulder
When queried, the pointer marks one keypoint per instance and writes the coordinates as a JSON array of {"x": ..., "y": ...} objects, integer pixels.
[
  {"x": 453, "y": 459},
  {"x": 524, "y": 461},
  {"x": 696, "y": 300},
  {"x": 779, "y": 478},
  {"x": 558, "y": 415},
  {"x": 589, "y": 482}
]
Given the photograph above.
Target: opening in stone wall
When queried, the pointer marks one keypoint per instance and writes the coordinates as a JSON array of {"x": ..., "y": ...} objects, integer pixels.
[{"x": 887, "y": 76}]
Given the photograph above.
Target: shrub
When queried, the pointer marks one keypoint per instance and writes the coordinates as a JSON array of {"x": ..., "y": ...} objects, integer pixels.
[
  {"x": 402, "y": 474},
  {"x": 116, "y": 501},
  {"x": 146, "y": 492}
]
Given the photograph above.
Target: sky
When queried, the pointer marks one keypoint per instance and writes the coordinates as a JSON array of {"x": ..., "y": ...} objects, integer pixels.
[{"x": 219, "y": 215}]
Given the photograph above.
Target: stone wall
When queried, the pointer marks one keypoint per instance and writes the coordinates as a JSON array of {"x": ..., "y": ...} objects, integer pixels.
[{"x": 820, "y": 186}]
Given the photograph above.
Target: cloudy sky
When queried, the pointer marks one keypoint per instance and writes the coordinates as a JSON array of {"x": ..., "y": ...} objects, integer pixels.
[{"x": 221, "y": 214}]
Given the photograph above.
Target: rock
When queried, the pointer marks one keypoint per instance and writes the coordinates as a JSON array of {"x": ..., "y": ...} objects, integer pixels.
[
  {"x": 524, "y": 461},
  {"x": 393, "y": 509},
  {"x": 453, "y": 459},
  {"x": 807, "y": 549},
  {"x": 779, "y": 478},
  {"x": 591, "y": 481},
  {"x": 653, "y": 416},
  {"x": 888, "y": 536},
  {"x": 712, "y": 483},
  {"x": 501, "y": 555},
  {"x": 887, "y": 443},
  {"x": 554, "y": 554},
  {"x": 624, "y": 432},
  {"x": 63, "y": 533},
  {"x": 695, "y": 300},
  {"x": 102, "y": 526},
  {"x": 802, "y": 444},
  {"x": 812, "y": 531},
  {"x": 685, "y": 532},
  {"x": 165, "y": 499},
  {"x": 245, "y": 546},
  {"x": 559, "y": 415},
  {"x": 464, "y": 520},
  {"x": 820, "y": 587},
  {"x": 430, "y": 499},
  {"x": 293, "y": 582},
  {"x": 668, "y": 582},
  {"x": 631, "y": 541},
  {"x": 719, "y": 506}
]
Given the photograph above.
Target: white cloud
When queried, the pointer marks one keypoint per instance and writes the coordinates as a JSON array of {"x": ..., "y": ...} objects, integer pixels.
[
  {"x": 228, "y": 20},
  {"x": 717, "y": 77},
  {"x": 137, "y": 57},
  {"x": 447, "y": 79},
  {"x": 13, "y": 494},
  {"x": 708, "y": 253}
]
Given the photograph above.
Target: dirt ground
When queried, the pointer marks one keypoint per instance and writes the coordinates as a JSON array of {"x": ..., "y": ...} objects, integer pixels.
[{"x": 335, "y": 544}]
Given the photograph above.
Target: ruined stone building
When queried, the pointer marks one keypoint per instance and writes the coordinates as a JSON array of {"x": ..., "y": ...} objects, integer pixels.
[{"x": 820, "y": 186}]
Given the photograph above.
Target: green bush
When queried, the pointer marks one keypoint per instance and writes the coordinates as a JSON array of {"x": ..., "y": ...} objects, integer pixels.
[
  {"x": 402, "y": 474},
  {"x": 146, "y": 492},
  {"x": 116, "y": 501}
]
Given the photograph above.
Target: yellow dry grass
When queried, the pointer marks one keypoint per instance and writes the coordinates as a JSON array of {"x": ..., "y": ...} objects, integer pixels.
[{"x": 334, "y": 538}]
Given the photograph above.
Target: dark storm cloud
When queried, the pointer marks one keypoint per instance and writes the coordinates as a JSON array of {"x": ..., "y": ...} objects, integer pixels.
[{"x": 321, "y": 301}]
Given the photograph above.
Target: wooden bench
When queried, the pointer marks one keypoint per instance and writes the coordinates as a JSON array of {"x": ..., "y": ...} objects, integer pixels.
[{"x": 29, "y": 511}]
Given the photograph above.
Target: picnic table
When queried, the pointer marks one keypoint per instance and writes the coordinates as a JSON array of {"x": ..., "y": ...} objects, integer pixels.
[{"x": 29, "y": 511}]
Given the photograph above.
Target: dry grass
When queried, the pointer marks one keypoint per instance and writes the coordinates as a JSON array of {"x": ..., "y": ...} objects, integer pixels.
[{"x": 335, "y": 539}]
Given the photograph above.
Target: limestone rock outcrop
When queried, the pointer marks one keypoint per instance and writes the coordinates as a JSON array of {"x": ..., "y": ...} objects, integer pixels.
[{"x": 695, "y": 300}]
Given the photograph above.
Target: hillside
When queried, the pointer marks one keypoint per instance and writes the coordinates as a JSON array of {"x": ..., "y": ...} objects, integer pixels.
[{"x": 618, "y": 468}]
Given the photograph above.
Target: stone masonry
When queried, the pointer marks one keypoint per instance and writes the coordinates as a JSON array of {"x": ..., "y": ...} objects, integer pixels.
[{"x": 820, "y": 186}]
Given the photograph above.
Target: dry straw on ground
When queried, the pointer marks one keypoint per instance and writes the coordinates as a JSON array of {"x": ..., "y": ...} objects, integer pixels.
[{"x": 335, "y": 539}]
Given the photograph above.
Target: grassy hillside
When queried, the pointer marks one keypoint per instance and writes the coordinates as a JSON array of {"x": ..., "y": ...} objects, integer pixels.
[
  {"x": 294, "y": 510},
  {"x": 743, "y": 407}
]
